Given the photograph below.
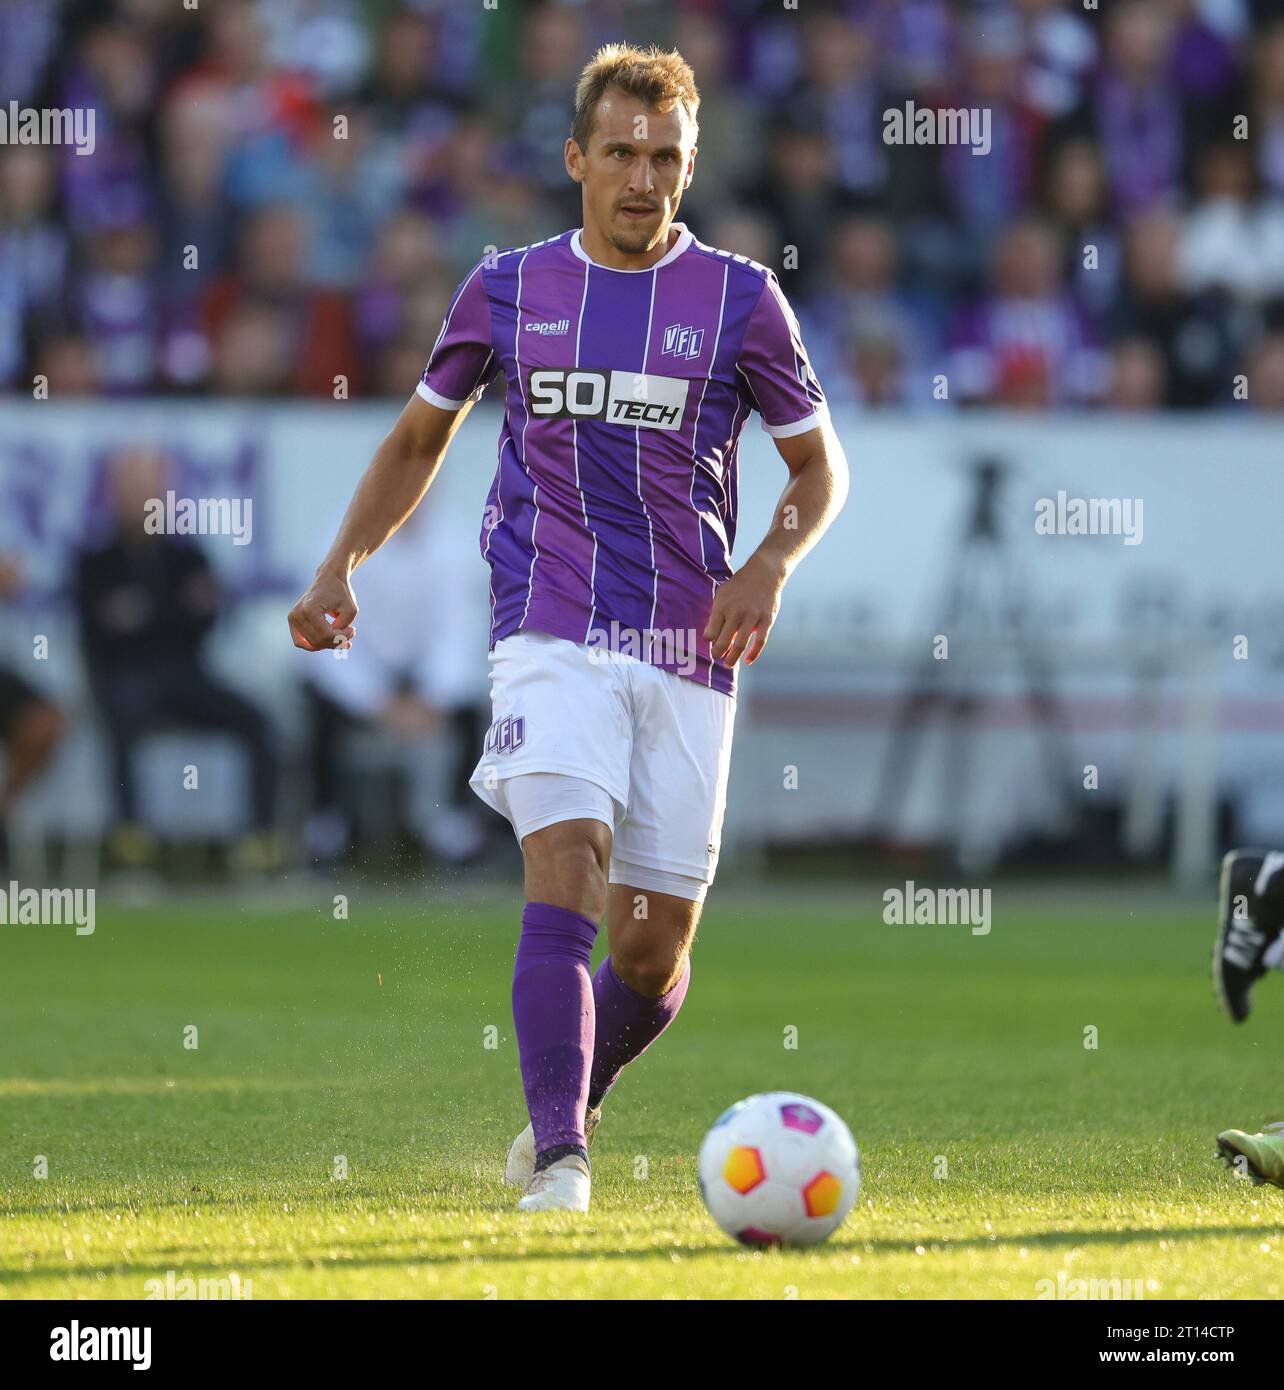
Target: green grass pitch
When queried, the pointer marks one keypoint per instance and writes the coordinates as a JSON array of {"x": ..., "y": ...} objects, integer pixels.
[{"x": 998, "y": 1150}]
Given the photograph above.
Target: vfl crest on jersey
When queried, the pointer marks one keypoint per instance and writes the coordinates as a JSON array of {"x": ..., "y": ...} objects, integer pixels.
[
  {"x": 620, "y": 398},
  {"x": 681, "y": 341}
]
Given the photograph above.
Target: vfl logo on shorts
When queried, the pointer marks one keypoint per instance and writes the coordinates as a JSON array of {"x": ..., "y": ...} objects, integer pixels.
[
  {"x": 620, "y": 398},
  {"x": 506, "y": 735}
]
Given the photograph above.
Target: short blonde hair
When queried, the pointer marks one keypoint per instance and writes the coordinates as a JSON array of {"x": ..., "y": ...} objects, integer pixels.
[{"x": 655, "y": 77}]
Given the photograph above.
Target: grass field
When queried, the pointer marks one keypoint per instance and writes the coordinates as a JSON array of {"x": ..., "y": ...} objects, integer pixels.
[{"x": 366, "y": 1039}]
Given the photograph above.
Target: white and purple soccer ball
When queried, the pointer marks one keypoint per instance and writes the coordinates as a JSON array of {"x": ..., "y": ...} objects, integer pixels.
[{"x": 779, "y": 1169}]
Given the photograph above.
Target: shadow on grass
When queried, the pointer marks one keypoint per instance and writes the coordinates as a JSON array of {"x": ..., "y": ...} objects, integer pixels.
[{"x": 427, "y": 1250}]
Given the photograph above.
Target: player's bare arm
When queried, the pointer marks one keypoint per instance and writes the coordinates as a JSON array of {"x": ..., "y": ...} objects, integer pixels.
[
  {"x": 745, "y": 607},
  {"x": 399, "y": 475}
]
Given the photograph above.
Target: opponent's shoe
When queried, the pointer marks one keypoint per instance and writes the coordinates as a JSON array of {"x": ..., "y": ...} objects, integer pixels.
[
  {"x": 1241, "y": 943},
  {"x": 562, "y": 1186},
  {"x": 519, "y": 1167},
  {"x": 1256, "y": 1156}
]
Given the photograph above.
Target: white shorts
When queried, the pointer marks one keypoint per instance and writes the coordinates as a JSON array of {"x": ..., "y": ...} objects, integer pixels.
[{"x": 657, "y": 744}]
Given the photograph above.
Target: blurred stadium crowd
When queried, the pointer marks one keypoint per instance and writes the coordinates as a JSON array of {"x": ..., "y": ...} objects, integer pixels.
[{"x": 320, "y": 257}]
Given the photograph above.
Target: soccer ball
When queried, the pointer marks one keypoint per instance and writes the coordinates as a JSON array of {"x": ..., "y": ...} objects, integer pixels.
[{"x": 779, "y": 1169}]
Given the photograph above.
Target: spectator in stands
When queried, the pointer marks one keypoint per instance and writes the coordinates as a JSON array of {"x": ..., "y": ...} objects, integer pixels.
[
  {"x": 348, "y": 187},
  {"x": 744, "y": 232},
  {"x": 842, "y": 92},
  {"x": 1077, "y": 204},
  {"x": 425, "y": 125},
  {"x": 403, "y": 92},
  {"x": 883, "y": 335},
  {"x": 987, "y": 192},
  {"x": 1191, "y": 332},
  {"x": 114, "y": 72},
  {"x": 252, "y": 352},
  {"x": 117, "y": 307},
  {"x": 196, "y": 131},
  {"x": 1060, "y": 50},
  {"x": 1266, "y": 108},
  {"x": 401, "y": 303},
  {"x": 276, "y": 108},
  {"x": 915, "y": 44},
  {"x": 534, "y": 107},
  {"x": 1233, "y": 239},
  {"x": 1025, "y": 342},
  {"x": 800, "y": 195},
  {"x": 66, "y": 363},
  {"x": 28, "y": 39},
  {"x": 1138, "y": 376},
  {"x": 31, "y": 725},
  {"x": 319, "y": 336},
  {"x": 731, "y": 121},
  {"x": 406, "y": 262},
  {"x": 1203, "y": 55},
  {"x": 1264, "y": 373},
  {"x": 498, "y": 204},
  {"x": 1135, "y": 111},
  {"x": 146, "y": 603},
  {"x": 34, "y": 253}
]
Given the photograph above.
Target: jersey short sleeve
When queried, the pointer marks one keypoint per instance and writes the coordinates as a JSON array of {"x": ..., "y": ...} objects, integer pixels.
[
  {"x": 775, "y": 370},
  {"x": 463, "y": 361}
]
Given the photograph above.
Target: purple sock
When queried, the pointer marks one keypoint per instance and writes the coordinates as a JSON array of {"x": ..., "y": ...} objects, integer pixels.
[
  {"x": 553, "y": 1012},
  {"x": 627, "y": 1024}
]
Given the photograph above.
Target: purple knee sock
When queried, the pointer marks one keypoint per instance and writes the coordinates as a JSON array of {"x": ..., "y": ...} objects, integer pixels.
[
  {"x": 627, "y": 1024},
  {"x": 553, "y": 1012}
]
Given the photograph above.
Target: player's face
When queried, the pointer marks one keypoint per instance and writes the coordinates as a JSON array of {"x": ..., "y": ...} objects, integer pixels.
[{"x": 638, "y": 164}]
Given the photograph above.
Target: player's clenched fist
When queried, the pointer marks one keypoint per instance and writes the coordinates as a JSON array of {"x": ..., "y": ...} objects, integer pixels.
[
  {"x": 328, "y": 597},
  {"x": 744, "y": 607}
]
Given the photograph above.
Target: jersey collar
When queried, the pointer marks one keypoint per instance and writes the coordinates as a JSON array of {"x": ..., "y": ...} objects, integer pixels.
[{"x": 684, "y": 239}]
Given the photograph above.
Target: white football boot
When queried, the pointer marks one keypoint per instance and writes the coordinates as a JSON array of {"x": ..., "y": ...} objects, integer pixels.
[
  {"x": 519, "y": 1167},
  {"x": 562, "y": 1186}
]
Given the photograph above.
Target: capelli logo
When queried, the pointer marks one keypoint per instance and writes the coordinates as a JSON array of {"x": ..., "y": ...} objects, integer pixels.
[{"x": 556, "y": 328}]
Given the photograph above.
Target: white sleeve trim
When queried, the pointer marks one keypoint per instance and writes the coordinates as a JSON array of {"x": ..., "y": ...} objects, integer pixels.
[
  {"x": 808, "y": 422},
  {"x": 441, "y": 402}
]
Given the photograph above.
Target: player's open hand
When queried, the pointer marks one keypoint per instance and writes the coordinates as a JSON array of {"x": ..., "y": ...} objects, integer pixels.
[
  {"x": 744, "y": 609},
  {"x": 325, "y": 617}
]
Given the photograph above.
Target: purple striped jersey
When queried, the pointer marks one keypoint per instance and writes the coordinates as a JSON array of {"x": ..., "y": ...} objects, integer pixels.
[{"x": 613, "y": 511}]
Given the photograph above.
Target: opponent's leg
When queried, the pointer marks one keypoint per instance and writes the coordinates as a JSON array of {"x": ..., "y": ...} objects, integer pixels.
[
  {"x": 1259, "y": 1157},
  {"x": 1249, "y": 943},
  {"x": 1250, "y": 916}
]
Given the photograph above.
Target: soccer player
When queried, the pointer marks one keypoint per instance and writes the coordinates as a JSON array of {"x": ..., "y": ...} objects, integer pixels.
[
  {"x": 1249, "y": 944},
  {"x": 631, "y": 355}
]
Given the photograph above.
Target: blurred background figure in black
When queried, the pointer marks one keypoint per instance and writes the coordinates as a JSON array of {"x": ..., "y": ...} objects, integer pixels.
[
  {"x": 404, "y": 706},
  {"x": 31, "y": 725},
  {"x": 146, "y": 603}
]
